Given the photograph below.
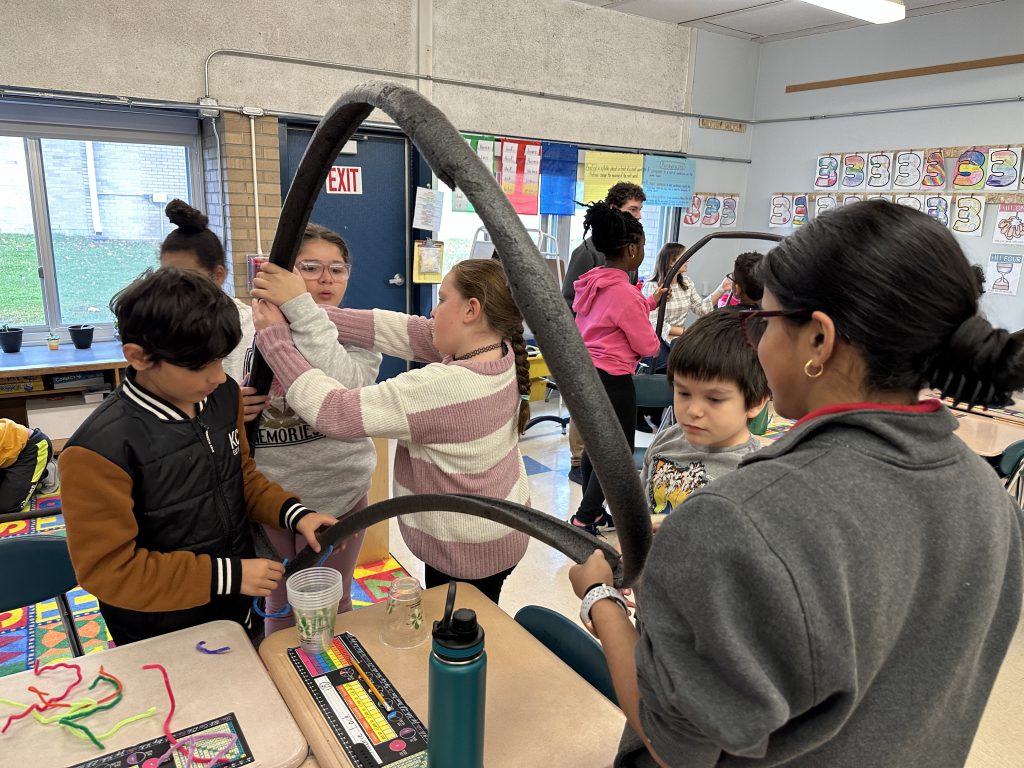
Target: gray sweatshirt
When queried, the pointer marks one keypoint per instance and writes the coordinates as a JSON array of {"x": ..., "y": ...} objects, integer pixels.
[
  {"x": 673, "y": 469},
  {"x": 843, "y": 600},
  {"x": 329, "y": 475}
]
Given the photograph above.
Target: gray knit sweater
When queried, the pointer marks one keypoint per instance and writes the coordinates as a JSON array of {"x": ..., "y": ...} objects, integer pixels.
[{"x": 843, "y": 600}]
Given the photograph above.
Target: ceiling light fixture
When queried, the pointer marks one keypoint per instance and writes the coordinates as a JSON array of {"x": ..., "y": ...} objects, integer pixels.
[{"x": 875, "y": 11}]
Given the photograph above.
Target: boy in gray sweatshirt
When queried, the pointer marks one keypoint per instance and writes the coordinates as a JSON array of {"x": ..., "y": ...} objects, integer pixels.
[{"x": 718, "y": 388}]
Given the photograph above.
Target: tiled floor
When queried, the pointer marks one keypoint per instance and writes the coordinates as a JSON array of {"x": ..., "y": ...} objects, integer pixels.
[{"x": 541, "y": 579}]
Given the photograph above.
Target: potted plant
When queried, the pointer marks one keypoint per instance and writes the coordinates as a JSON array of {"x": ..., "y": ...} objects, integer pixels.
[
  {"x": 53, "y": 341},
  {"x": 10, "y": 338},
  {"x": 81, "y": 335}
]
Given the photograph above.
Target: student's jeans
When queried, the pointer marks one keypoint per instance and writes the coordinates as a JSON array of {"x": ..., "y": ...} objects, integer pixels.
[
  {"x": 623, "y": 396},
  {"x": 342, "y": 559}
]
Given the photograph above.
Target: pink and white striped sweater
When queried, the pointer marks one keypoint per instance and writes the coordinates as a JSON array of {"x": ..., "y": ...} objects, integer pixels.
[{"x": 455, "y": 423}]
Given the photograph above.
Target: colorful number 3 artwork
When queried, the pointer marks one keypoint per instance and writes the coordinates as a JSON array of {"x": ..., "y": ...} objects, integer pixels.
[
  {"x": 1003, "y": 169},
  {"x": 781, "y": 211},
  {"x": 968, "y": 215}
]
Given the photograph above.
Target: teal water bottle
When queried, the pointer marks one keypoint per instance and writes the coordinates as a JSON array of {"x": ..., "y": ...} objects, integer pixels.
[{"x": 458, "y": 688}]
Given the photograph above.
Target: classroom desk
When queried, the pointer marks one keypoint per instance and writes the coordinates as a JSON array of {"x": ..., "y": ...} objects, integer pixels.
[
  {"x": 205, "y": 687},
  {"x": 986, "y": 436},
  {"x": 534, "y": 701}
]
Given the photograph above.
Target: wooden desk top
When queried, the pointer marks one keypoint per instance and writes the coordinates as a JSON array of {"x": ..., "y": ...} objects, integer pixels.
[
  {"x": 35, "y": 360},
  {"x": 531, "y": 695},
  {"x": 987, "y": 436},
  {"x": 205, "y": 687}
]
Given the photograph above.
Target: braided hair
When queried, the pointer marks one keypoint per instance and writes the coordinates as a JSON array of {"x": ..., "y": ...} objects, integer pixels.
[
  {"x": 611, "y": 229},
  {"x": 485, "y": 281}
]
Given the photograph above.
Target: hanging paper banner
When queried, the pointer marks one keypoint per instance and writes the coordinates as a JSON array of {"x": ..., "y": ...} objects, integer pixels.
[
  {"x": 908, "y": 169},
  {"x": 911, "y": 201},
  {"x": 938, "y": 206},
  {"x": 669, "y": 180},
  {"x": 712, "y": 217},
  {"x": 824, "y": 203},
  {"x": 730, "y": 210},
  {"x": 852, "y": 171},
  {"x": 879, "y": 171},
  {"x": 1003, "y": 169},
  {"x": 483, "y": 146},
  {"x": 1003, "y": 273},
  {"x": 519, "y": 173},
  {"x": 781, "y": 211},
  {"x": 1009, "y": 227},
  {"x": 968, "y": 217},
  {"x": 827, "y": 175},
  {"x": 799, "y": 210},
  {"x": 558, "y": 178},
  {"x": 934, "y": 175},
  {"x": 970, "y": 169},
  {"x": 691, "y": 218},
  {"x": 602, "y": 170},
  {"x": 850, "y": 199}
]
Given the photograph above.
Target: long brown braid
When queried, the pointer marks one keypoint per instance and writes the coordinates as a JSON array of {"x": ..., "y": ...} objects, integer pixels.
[{"x": 485, "y": 281}]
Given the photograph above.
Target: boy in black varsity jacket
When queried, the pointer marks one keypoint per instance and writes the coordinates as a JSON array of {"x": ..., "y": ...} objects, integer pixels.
[{"x": 158, "y": 485}]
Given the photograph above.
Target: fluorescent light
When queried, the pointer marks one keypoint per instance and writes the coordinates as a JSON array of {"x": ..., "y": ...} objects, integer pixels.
[{"x": 875, "y": 11}]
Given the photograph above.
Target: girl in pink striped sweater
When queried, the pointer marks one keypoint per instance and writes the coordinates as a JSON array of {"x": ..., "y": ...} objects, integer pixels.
[{"x": 457, "y": 420}]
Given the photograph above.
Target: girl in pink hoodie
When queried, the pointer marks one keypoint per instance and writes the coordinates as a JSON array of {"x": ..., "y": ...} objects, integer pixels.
[{"x": 614, "y": 320}]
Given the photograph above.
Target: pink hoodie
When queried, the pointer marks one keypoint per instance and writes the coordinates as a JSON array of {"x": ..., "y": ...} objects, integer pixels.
[{"x": 614, "y": 320}]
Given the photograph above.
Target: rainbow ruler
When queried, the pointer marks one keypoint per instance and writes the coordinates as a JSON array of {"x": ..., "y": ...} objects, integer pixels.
[{"x": 370, "y": 735}]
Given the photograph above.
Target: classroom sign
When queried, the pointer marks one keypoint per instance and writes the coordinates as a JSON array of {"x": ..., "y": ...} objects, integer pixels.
[
  {"x": 1003, "y": 273},
  {"x": 1009, "y": 228},
  {"x": 344, "y": 180},
  {"x": 601, "y": 170},
  {"x": 669, "y": 180}
]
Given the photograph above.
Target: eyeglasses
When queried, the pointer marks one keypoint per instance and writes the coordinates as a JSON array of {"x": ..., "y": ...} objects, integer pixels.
[
  {"x": 753, "y": 322},
  {"x": 313, "y": 269}
]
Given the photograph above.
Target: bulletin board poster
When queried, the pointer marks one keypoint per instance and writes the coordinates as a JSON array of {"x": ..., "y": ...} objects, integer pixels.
[
  {"x": 601, "y": 170},
  {"x": 1009, "y": 229},
  {"x": 519, "y": 174},
  {"x": 1003, "y": 273},
  {"x": 669, "y": 180},
  {"x": 484, "y": 148},
  {"x": 558, "y": 178}
]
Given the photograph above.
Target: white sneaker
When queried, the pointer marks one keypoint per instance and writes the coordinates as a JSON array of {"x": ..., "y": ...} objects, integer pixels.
[{"x": 50, "y": 481}]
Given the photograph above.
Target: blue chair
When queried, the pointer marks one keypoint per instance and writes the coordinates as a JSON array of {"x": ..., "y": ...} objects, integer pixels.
[
  {"x": 38, "y": 568},
  {"x": 1010, "y": 469},
  {"x": 571, "y": 644}
]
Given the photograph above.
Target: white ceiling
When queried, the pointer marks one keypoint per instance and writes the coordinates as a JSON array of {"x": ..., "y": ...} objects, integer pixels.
[{"x": 763, "y": 20}]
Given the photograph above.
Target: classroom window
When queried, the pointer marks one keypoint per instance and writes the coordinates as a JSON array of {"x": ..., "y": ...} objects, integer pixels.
[{"x": 98, "y": 208}]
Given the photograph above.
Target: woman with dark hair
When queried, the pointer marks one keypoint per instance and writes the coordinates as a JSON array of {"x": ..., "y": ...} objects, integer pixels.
[
  {"x": 683, "y": 298},
  {"x": 612, "y": 318},
  {"x": 846, "y": 597}
]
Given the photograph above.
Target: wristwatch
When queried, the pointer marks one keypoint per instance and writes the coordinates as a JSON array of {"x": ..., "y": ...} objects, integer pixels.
[{"x": 595, "y": 593}]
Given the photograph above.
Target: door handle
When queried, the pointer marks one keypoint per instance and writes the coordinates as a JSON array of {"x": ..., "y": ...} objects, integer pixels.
[{"x": 398, "y": 279}]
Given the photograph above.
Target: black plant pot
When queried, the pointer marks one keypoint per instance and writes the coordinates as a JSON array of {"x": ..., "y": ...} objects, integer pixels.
[
  {"x": 81, "y": 335},
  {"x": 10, "y": 339}
]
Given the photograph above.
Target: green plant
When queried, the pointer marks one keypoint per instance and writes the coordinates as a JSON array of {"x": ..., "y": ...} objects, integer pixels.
[{"x": 4, "y": 328}]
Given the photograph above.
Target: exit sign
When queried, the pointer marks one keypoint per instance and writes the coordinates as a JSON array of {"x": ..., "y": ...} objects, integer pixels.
[{"x": 345, "y": 180}]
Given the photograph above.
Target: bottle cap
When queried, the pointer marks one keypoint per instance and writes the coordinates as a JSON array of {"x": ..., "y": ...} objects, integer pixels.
[{"x": 457, "y": 635}]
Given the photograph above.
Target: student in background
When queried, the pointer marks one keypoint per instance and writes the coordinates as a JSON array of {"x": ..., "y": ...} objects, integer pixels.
[
  {"x": 612, "y": 318},
  {"x": 718, "y": 387},
  {"x": 846, "y": 597},
  {"x": 333, "y": 476},
  {"x": 457, "y": 420},
  {"x": 27, "y": 466},
  {"x": 158, "y": 486},
  {"x": 747, "y": 289},
  {"x": 683, "y": 299},
  {"x": 629, "y": 198}
]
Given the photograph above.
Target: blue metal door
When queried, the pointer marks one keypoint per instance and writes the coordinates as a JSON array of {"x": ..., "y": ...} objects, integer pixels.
[{"x": 373, "y": 223}]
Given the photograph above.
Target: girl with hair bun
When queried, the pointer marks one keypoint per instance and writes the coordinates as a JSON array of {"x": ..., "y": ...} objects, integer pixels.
[
  {"x": 457, "y": 420},
  {"x": 847, "y": 596}
]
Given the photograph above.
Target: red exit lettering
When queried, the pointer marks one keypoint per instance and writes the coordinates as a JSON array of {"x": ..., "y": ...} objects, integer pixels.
[{"x": 345, "y": 180}]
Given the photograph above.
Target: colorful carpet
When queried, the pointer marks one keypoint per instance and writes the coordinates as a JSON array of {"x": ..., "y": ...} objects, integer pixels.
[{"x": 36, "y": 631}]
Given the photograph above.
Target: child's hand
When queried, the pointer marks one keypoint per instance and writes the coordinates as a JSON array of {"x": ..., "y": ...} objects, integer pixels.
[
  {"x": 661, "y": 292},
  {"x": 260, "y": 577},
  {"x": 595, "y": 570},
  {"x": 252, "y": 404},
  {"x": 310, "y": 524},
  {"x": 265, "y": 314},
  {"x": 277, "y": 285},
  {"x": 725, "y": 286}
]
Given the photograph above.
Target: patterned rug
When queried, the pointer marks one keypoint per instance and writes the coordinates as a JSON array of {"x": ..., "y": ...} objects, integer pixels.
[{"x": 36, "y": 631}]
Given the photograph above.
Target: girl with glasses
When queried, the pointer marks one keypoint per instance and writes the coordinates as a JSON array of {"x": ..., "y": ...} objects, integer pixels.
[{"x": 846, "y": 597}]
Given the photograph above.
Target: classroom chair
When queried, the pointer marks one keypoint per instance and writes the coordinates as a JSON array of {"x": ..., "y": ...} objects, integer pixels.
[
  {"x": 38, "y": 568},
  {"x": 571, "y": 644},
  {"x": 1011, "y": 469},
  {"x": 549, "y": 387},
  {"x": 652, "y": 391}
]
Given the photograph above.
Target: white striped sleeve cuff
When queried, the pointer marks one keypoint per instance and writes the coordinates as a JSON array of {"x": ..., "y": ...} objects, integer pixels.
[
  {"x": 226, "y": 576},
  {"x": 291, "y": 512}
]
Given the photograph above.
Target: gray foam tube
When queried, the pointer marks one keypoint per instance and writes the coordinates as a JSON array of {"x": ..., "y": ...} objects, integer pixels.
[{"x": 538, "y": 298}]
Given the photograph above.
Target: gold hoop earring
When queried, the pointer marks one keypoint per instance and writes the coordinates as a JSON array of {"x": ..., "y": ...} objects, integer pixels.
[{"x": 807, "y": 370}]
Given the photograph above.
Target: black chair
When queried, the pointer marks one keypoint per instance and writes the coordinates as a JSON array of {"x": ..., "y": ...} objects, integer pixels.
[{"x": 549, "y": 387}]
